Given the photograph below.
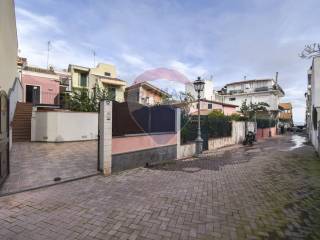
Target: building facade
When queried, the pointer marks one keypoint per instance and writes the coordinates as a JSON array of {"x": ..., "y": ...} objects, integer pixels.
[
  {"x": 145, "y": 93},
  {"x": 41, "y": 86},
  {"x": 313, "y": 103},
  {"x": 255, "y": 91},
  {"x": 8, "y": 80},
  {"x": 207, "y": 92},
  {"x": 104, "y": 75},
  {"x": 8, "y": 45},
  {"x": 286, "y": 115}
]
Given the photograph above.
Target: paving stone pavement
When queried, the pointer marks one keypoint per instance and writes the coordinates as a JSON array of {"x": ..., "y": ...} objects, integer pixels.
[
  {"x": 268, "y": 191},
  {"x": 34, "y": 164}
]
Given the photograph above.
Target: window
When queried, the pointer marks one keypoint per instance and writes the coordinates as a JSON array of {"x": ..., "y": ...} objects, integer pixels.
[
  {"x": 210, "y": 106},
  {"x": 112, "y": 93},
  {"x": 232, "y": 99},
  {"x": 107, "y": 74},
  {"x": 83, "y": 79}
]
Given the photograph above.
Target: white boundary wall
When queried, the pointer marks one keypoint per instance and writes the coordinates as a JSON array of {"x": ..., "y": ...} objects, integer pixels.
[{"x": 58, "y": 126}]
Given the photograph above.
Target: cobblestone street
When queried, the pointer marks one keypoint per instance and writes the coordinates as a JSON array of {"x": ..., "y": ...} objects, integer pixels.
[
  {"x": 268, "y": 191},
  {"x": 34, "y": 164}
]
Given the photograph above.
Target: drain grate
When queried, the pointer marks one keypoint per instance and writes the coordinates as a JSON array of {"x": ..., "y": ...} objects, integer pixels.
[{"x": 56, "y": 179}]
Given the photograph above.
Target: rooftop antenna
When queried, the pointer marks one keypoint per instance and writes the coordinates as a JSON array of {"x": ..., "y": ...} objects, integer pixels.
[
  {"x": 48, "y": 49},
  {"x": 276, "y": 77},
  {"x": 94, "y": 58}
]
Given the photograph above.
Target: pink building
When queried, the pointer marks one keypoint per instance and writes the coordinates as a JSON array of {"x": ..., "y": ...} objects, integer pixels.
[
  {"x": 41, "y": 86},
  {"x": 145, "y": 93},
  {"x": 207, "y": 106}
]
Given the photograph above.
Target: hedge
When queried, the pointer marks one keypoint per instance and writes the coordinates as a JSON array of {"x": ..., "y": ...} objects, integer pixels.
[{"x": 215, "y": 125}]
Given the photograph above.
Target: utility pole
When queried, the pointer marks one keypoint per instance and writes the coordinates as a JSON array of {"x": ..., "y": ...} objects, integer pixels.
[{"x": 48, "y": 53}]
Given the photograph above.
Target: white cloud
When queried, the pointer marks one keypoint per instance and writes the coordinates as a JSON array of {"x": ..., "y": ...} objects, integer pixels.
[
  {"x": 31, "y": 21},
  {"x": 228, "y": 40},
  {"x": 191, "y": 71},
  {"x": 135, "y": 61}
]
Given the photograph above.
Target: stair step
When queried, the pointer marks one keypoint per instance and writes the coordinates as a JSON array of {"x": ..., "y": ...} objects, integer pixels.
[{"x": 21, "y": 125}]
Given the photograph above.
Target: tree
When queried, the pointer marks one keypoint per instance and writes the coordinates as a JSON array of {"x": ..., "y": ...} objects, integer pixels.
[
  {"x": 83, "y": 100},
  {"x": 310, "y": 51},
  {"x": 249, "y": 110}
]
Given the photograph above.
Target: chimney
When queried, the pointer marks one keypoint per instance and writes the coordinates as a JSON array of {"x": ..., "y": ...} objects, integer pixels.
[{"x": 276, "y": 77}]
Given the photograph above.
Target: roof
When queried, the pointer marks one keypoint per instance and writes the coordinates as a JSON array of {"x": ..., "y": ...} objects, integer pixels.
[
  {"x": 285, "y": 106},
  {"x": 39, "y": 70},
  {"x": 149, "y": 87},
  {"x": 203, "y": 112},
  {"x": 249, "y": 81},
  {"x": 205, "y": 100},
  {"x": 78, "y": 67},
  {"x": 109, "y": 78}
]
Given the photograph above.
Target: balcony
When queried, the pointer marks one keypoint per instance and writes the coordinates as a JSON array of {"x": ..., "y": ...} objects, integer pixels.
[{"x": 64, "y": 82}]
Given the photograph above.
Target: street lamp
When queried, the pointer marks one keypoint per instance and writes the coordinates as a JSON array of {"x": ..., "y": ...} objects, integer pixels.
[{"x": 198, "y": 87}]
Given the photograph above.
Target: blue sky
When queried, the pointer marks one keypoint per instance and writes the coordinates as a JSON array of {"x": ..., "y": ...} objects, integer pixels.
[{"x": 225, "y": 39}]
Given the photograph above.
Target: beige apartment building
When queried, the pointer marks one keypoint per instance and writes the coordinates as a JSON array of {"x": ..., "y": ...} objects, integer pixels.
[
  {"x": 8, "y": 45},
  {"x": 104, "y": 75}
]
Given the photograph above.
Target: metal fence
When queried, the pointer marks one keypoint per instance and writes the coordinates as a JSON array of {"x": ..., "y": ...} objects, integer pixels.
[
  {"x": 210, "y": 128},
  {"x": 134, "y": 118}
]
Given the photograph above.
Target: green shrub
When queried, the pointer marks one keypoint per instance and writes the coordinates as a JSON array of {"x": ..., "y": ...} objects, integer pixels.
[
  {"x": 237, "y": 117},
  {"x": 215, "y": 125}
]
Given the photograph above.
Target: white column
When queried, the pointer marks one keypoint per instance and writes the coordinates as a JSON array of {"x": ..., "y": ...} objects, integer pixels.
[
  {"x": 178, "y": 128},
  {"x": 34, "y": 125},
  {"x": 105, "y": 141}
]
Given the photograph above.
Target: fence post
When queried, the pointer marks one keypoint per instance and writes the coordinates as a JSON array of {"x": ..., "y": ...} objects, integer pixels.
[
  {"x": 178, "y": 129},
  {"x": 105, "y": 137}
]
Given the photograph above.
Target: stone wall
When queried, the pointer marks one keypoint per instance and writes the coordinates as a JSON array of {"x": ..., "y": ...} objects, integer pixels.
[{"x": 141, "y": 158}]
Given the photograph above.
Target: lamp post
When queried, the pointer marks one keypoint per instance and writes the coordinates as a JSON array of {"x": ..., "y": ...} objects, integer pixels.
[{"x": 198, "y": 87}]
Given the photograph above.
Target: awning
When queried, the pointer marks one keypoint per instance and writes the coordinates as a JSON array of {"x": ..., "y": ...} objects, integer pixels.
[{"x": 113, "y": 82}]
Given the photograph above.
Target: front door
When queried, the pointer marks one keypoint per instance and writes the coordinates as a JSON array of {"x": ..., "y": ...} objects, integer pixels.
[
  {"x": 33, "y": 94},
  {"x": 4, "y": 137}
]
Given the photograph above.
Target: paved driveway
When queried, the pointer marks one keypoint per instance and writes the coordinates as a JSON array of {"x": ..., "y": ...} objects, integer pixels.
[
  {"x": 36, "y": 164},
  {"x": 269, "y": 191}
]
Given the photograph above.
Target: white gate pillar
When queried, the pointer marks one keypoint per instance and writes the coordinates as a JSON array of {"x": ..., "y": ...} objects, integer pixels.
[
  {"x": 178, "y": 130},
  {"x": 105, "y": 137}
]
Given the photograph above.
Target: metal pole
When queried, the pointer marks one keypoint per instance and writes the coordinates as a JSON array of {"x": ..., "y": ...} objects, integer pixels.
[
  {"x": 270, "y": 124},
  {"x": 255, "y": 122},
  {"x": 199, "y": 140}
]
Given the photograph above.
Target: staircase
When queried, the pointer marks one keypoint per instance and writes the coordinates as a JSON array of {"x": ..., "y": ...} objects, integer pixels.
[{"x": 21, "y": 126}]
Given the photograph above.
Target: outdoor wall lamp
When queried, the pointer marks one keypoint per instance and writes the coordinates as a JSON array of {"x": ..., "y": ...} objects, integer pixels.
[{"x": 198, "y": 87}]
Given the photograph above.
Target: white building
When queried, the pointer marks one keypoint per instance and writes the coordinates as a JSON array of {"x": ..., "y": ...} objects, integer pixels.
[
  {"x": 255, "y": 91},
  {"x": 207, "y": 92},
  {"x": 313, "y": 103}
]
